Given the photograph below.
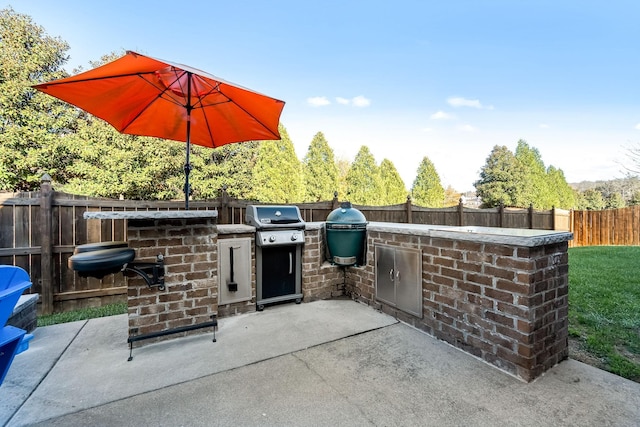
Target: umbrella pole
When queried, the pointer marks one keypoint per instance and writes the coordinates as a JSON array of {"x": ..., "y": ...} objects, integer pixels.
[{"x": 187, "y": 165}]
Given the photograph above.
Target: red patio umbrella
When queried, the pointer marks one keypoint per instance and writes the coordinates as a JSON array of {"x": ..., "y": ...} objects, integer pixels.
[{"x": 140, "y": 95}]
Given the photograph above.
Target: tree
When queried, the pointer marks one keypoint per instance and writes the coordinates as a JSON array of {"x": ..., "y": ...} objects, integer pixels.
[
  {"x": 111, "y": 164},
  {"x": 635, "y": 199},
  {"x": 615, "y": 201},
  {"x": 320, "y": 170},
  {"x": 343, "y": 167},
  {"x": 364, "y": 185},
  {"x": 591, "y": 200},
  {"x": 32, "y": 124},
  {"x": 394, "y": 190},
  {"x": 534, "y": 190},
  {"x": 278, "y": 172},
  {"x": 563, "y": 195},
  {"x": 230, "y": 166},
  {"x": 427, "y": 189},
  {"x": 451, "y": 196},
  {"x": 500, "y": 179}
]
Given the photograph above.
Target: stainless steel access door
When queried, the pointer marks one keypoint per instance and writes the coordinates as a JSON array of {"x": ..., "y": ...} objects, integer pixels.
[
  {"x": 399, "y": 278},
  {"x": 385, "y": 274},
  {"x": 409, "y": 281}
]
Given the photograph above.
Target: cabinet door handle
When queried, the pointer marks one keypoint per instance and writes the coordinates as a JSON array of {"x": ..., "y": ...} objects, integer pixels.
[
  {"x": 391, "y": 274},
  {"x": 290, "y": 263},
  {"x": 398, "y": 276}
]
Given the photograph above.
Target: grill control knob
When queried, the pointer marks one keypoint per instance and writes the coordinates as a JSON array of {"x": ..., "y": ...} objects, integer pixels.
[
  {"x": 294, "y": 237},
  {"x": 272, "y": 238}
]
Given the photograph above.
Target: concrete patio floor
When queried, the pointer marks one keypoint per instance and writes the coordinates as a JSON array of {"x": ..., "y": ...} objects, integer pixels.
[{"x": 325, "y": 363}]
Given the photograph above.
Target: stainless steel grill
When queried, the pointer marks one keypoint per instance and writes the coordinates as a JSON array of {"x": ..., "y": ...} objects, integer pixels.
[{"x": 279, "y": 240}]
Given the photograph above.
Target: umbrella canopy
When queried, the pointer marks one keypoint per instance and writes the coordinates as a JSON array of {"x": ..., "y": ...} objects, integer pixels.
[{"x": 141, "y": 95}]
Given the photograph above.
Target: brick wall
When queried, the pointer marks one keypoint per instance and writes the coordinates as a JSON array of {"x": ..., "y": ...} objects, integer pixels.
[
  {"x": 191, "y": 261},
  {"x": 320, "y": 279},
  {"x": 505, "y": 304}
]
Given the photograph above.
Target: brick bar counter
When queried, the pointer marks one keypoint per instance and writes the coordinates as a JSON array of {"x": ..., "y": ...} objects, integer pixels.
[
  {"x": 187, "y": 240},
  {"x": 498, "y": 294}
]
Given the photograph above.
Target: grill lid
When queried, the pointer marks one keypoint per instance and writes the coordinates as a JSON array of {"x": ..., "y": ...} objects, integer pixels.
[
  {"x": 346, "y": 216},
  {"x": 274, "y": 216}
]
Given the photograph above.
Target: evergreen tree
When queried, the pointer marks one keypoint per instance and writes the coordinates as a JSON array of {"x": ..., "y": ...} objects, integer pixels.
[
  {"x": 278, "y": 172},
  {"x": 230, "y": 166},
  {"x": 635, "y": 199},
  {"x": 31, "y": 123},
  {"x": 591, "y": 200},
  {"x": 111, "y": 164},
  {"x": 615, "y": 201},
  {"x": 564, "y": 195},
  {"x": 320, "y": 170},
  {"x": 534, "y": 189},
  {"x": 364, "y": 185},
  {"x": 427, "y": 189},
  {"x": 394, "y": 190},
  {"x": 343, "y": 167},
  {"x": 500, "y": 179}
]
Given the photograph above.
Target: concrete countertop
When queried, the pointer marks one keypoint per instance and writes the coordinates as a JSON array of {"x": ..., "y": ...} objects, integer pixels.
[
  {"x": 235, "y": 229},
  {"x": 150, "y": 214},
  {"x": 498, "y": 235},
  {"x": 316, "y": 225}
]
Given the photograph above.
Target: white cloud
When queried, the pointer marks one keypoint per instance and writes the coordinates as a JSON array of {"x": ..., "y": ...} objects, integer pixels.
[
  {"x": 544, "y": 126},
  {"x": 638, "y": 126},
  {"x": 343, "y": 101},
  {"x": 441, "y": 115},
  {"x": 456, "y": 101},
  {"x": 467, "y": 128},
  {"x": 361, "y": 101},
  {"x": 318, "y": 101}
]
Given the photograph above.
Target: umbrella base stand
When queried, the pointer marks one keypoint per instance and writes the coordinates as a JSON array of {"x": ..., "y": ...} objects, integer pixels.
[{"x": 213, "y": 323}]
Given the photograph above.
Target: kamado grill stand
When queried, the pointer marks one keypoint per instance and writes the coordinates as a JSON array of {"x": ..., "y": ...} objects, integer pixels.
[{"x": 279, "y": 240}]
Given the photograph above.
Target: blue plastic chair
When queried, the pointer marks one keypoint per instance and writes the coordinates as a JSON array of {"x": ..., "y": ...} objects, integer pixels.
[{"x": 13, "y": 281}]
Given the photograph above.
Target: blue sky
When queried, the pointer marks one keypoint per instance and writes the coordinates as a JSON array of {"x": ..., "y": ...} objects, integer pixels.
[{"x": 408, "y": 79}]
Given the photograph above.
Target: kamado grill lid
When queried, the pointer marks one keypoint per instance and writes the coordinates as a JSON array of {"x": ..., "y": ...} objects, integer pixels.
[{"x": 346, "y": 214}]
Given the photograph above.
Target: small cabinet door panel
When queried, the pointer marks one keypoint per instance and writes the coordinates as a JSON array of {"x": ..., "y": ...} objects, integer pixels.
[
  {"x": 385, "y": 274},
  {"x": 408, "y": 281}
]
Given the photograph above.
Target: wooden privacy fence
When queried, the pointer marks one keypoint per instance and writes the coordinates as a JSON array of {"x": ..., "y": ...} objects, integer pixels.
[
  {"x": 607, "y": 227},
  {"x": 39, "y": 231}
]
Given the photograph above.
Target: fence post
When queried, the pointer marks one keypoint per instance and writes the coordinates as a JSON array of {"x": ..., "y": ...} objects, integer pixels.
[
  {"x": 409, "y": 210},
  {"x": 531, "y": 215},
  {"x": 553, "y": 217},
  {"x": 46, "y": 258},
  {"x": 501, "y": 214},
  {"x": 334, "y": 202},
  {"x": 223, "y": 214},
  {"x": 460, "y": 213}
]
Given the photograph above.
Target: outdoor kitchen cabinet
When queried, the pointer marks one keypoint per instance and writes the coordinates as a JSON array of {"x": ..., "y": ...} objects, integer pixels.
[
  {"x": 234, "y": 261},
  {"x": 398, "y": 273}
]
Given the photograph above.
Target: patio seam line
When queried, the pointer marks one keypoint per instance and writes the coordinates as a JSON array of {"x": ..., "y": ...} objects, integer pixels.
[
  {"x": 55, "y": 362},
  {"x": 331, "y": 386},
  {"x": 204, "y": 376}
]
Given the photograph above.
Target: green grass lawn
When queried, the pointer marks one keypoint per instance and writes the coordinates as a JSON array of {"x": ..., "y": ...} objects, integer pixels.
[
  {"x": 604, "y": 307},
  {"x": 83, "y": 314}
]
